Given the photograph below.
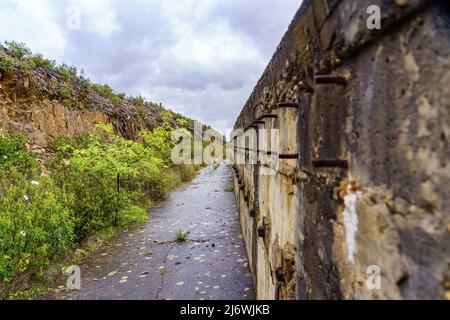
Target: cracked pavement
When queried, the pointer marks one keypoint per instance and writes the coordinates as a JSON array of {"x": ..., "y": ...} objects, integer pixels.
[{"x": 146, "y": 263}]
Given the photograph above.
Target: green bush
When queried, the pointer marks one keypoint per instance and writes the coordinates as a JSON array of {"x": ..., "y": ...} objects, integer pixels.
[
  {"x": 93, "y": 183},
  {"x": 64, "y": 92},
  {"x": 105, "y": 179},
  {"x": 35, "y": 224},
  {"x": 35, "y": 228},
  {"x": 107, "y": 92},
  {"x": 187, "y": 172},
  {"x": 18, "y": 50},
  {"x": 39, "y": 61},
  {"x": 7, "y": 64},
  {"x": 68, "y": 72},
  {"x": 14, "y": 154}
]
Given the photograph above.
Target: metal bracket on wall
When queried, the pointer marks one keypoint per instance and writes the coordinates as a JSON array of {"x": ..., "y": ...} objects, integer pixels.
[
  {"x": 258, "y": 122},
  {"x": 268, "y": 116},
  {"x": 330, "y": 79},
  {"x": 330, "y": 163},
  {"x": 250, "y": 127},
  {"x": 288, "y": 105},
  {"x": 288, "y": 156}
]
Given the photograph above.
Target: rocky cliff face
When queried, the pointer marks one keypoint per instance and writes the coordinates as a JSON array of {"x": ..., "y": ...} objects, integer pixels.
[
  {"x": 44, "y": 105},
  {"x": 356, "y": 202}
]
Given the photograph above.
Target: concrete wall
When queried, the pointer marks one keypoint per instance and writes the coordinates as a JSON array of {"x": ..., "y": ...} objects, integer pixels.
[{"x": 360, "y": 180}]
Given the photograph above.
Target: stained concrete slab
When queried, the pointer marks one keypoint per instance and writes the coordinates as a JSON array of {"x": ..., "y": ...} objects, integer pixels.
[{"x": 147, "y": 263}]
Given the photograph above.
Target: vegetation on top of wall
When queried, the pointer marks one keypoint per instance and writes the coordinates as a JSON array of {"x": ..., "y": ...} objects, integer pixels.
[{"x": 17, "y": 56}]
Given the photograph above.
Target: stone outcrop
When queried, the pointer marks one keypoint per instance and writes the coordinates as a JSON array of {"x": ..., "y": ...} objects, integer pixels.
[
  {"x": 355, "y": 203},
  {"x": 45, "y": 105}
]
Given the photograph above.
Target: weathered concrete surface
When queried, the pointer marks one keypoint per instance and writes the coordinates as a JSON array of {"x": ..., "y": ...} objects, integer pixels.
[
  {"x": 326, "y": 226},
  {"x": 147, "y": 264}
]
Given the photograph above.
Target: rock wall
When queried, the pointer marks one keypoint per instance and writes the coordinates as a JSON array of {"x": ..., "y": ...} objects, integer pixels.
[
  {"x": 45, "y": 105},
  {"x": 355, "y": 201}
]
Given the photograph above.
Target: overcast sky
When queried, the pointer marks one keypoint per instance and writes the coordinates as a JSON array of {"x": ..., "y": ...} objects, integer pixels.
[{"x": 198, "y": 57}]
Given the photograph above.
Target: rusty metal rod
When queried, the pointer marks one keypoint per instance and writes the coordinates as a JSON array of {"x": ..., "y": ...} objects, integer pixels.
[
  {"x": 266, "y": 116},
  {"x": 288, "y": 105},
  {"x": 330, "y": 79},
  {"x": 330, "y": 163},
  {"x": 258, "y": 122},
  {"x": 250, "y": 127},
  {"x": 288, "y": 156}
]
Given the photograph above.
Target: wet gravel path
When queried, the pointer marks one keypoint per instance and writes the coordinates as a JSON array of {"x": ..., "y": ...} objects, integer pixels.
[{"x": 148, "y": 264}]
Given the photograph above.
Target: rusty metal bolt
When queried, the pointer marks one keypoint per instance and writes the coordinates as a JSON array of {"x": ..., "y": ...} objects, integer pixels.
[
  {"x": 279, "y": 274},
  {"x": 261, "y": 231}
]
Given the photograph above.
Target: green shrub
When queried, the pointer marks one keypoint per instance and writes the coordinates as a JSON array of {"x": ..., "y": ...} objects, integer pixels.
[
  {"x": 93, "y": 183},
  {"x": 18, "y": 50},
  {"x": 14, "y": 154},
  {"x": 35, "y": 228},
  {"x": 7, "y": 64},
  {"x": 188, "y": 172},
  {"x": 35, "y": 223},
  {"x": 134, "y": 214},
  {"x": 39, "y": 61},
  {"x": 65, "y": 146},
  {"x": 107, "y": 92},
  {"x": 105, "y": 179},
  {"x": 64, "y": 92},
  {"x": 68, "y": 72},
  {"x": 140, "y": 101},
  {"x": 115, "y": 100}
]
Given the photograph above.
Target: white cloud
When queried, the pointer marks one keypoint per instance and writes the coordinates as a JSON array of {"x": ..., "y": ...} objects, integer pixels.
[
  {"x": 97, "y": 16},
  {"x": 33, "y": 22},
  {"x": 212, "y": 105}
]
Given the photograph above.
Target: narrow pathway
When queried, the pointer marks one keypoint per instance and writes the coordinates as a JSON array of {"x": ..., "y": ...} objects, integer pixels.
[{"x": 147, "y": 264}]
